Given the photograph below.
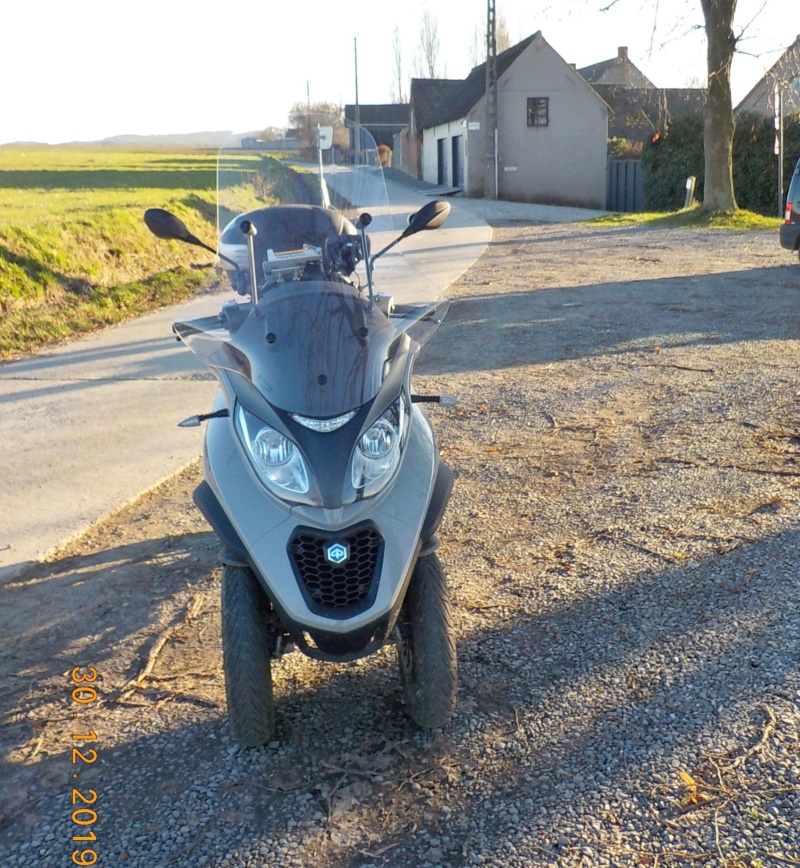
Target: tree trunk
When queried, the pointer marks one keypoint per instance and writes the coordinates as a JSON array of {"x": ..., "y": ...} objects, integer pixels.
[{"x": 718, "y": 134}]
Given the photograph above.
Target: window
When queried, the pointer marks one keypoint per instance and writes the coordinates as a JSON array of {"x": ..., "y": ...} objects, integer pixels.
[{"x": 538, "y": 111}]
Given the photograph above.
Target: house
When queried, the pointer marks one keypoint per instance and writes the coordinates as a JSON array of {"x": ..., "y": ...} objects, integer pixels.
[
  {"x": 637, "y": 108},
  {"x": 786, "y": 74},
  {"x": 552, "y": 131},
  {"x": 427, "y": 94},
  {"x": 400, "y": 125},
  {"x": 619, "y": 71},
  {"x": 381, "y": 121},
  {"x": 636, "y": 113}
]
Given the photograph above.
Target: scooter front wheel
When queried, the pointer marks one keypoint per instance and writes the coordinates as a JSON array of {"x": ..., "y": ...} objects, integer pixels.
[
  {"x": 247, "y": 644},
  {"x": 426, "y": 647}
]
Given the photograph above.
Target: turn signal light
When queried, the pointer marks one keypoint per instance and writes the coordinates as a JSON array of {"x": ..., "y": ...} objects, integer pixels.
[{"x": 788, "y": 214}]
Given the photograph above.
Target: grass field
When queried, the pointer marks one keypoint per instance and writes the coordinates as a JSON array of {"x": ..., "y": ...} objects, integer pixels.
[{"x": 74, "y": 251}]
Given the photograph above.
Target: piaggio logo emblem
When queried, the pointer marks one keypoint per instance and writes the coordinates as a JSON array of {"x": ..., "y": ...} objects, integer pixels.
[{"x": 336, "y": 553}]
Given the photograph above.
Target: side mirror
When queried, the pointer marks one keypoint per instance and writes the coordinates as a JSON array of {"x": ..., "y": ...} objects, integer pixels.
[
  {"x": 165, "y": 225},
  {"x": 430, "y": 216}
]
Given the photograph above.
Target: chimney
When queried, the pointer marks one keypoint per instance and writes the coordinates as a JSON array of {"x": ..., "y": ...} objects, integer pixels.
[{"x": 622, "y": 53}]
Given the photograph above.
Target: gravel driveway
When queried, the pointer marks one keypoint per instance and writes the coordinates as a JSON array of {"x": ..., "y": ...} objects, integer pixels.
[{"x": 622, "y": 546}]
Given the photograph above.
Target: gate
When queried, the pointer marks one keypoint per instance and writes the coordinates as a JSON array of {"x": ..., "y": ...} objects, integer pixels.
[{"x": 625, "y": 187}]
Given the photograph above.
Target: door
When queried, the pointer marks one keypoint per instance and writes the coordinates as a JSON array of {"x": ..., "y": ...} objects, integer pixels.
[
  {"x": 458, "y": 161},
  {"x": 441, "y": 147}
]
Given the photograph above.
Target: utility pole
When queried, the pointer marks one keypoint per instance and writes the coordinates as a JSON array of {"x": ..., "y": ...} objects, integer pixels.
[
  {"x": 357, "y": 142},
  {"x": 308, "y": 113},
  {"x": 355, "y": 54},
  {"x": 779, "y": 143},
  {"x": 490, "y": 184}
]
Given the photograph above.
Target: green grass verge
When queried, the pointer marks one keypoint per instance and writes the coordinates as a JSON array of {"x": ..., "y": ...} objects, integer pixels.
[
  {"x": 694, "y": 217},
  {"x": 25, "y": 330},
  {"x": 75, "y": 254}
]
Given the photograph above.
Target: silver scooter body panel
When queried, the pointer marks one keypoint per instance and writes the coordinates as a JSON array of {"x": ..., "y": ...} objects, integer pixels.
[{"x": 265, "y": 525}]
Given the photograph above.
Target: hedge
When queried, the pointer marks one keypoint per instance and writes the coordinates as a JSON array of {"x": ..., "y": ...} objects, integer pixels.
[{"x": 679, "y": 153}]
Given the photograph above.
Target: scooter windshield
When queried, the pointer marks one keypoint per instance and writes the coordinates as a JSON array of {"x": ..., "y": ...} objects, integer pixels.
[
  {"x": 310, "y": 337},
  {"x": 316, "y": 349}
]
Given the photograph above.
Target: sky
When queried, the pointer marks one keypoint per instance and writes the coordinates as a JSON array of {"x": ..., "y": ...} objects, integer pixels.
[{"x": 87, "y": 69}]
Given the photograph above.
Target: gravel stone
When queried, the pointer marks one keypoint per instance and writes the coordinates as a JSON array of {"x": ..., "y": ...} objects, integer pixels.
[{"x": 622, "y": 547}]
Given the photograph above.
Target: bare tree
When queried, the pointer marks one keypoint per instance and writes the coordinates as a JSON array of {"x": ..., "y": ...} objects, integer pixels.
[
  {"x": 502, "y": 36},
  {"x": 398, "y": 91},
  {"x": 477, "y": 50},
  {"x": 305, "y": 118},
  {"x": 429, "y": 45},
  {"x": 271, "y": 134}
]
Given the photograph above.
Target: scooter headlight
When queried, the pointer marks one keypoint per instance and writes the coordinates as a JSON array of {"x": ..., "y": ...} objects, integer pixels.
[
  {"x": 377, "y": 452},
  {"x": 274, "y": 453},
  {"x": 275, "y": 458}
]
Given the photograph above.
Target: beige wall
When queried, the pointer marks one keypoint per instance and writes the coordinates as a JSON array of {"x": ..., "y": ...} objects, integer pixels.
[
  {"x": 404, "y": 152},
  {"x": 430, "y": 150},
  {"x": 785, "y": 72},
  {"x": 429, "y": 157},
  {"x": 563, "y": 163},
  {"x": 761, "y": 100}
]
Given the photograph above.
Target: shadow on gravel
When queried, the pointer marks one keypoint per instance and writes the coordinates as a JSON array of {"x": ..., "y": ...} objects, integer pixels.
[
  {"x": 552, "y": 713},
  {"x": 75, "y": 611},
  {"x": 539, "y": 326},
  {"x": 632, "y": 733}
]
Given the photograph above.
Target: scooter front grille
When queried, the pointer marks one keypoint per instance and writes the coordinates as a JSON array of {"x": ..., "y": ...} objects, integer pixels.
[{"x": 343, "y": 588}]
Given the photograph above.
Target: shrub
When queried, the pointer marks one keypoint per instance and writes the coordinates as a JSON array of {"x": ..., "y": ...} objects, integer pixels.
[
  {"x": 679, "y": 153},
  {"x": 669, "y": 161},
  {"x": 755, "y": 177},
  {"x": 624, "y": 149}
]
